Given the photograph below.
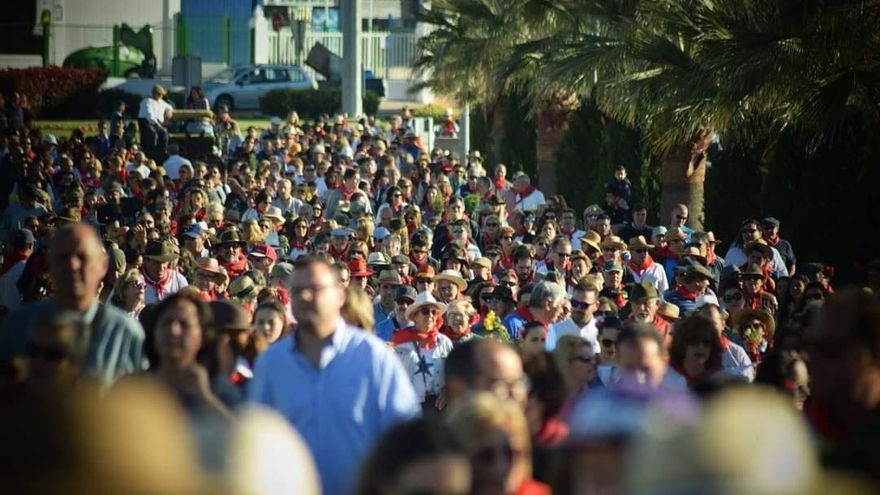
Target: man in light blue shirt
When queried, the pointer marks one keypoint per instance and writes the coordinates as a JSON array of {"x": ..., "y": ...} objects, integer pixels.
[{"x": 340, "y": 387}]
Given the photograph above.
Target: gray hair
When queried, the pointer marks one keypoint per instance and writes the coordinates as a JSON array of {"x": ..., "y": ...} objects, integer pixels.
[{"x": 546, "y": 291}]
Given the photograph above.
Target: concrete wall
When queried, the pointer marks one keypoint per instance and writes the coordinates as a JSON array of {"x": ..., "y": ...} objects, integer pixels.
[{"x": 87, "y": 23}]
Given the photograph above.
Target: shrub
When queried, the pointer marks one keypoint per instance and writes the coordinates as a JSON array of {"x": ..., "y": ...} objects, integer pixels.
[
  {"x": 54, "y": 92},
  {"x": 311, "y": 103}
]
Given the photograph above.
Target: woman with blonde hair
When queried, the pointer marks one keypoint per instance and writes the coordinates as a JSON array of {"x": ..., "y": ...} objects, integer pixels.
[
  {"x": 364, "y": 230},
  {"x": 252, "y": 233},
  {"x": 358, "y": 309},
  {"x": 578, "y": 360},
  {"x": 457, "y": 321},
  {"x": 495, "y": 435},
  {"x": 128, "y": 293}
]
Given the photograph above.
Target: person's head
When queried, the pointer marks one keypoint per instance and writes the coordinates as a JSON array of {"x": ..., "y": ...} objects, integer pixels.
[
  {"x": 486, "y": 365},
  {"x": 843, "y": 351},
  {"x": 560, "y": 253},
  {"x": 641, "y": 355},
  {"x": 639, "y": 215},
  {"x": 523, "y": 183},
  {"x": 749, "y": 232},
  {"x": 270, "y": 320},
  {"x": 696, "y": 342},
  {"x": 129, "y": 290},
  {"x": 425, "y": 313},
  {"x": 603, "y": 225},
  {"x": 183, "y": 327},
  {"x": 770, "y": 228},
  {"x": 545, "y": 301},
  {"x": 523, "y": 263},
  {"x": 584, "y": 301},
  {"x": 733, "y": 299},
  {"x": 458, "y": 315},
  {"x": 756, "y": 327},
  {"x": 580, "y": 265},
  {"x": 316, "y": 296},
  {"x": 418, "y": 456},
  {"x": 609, "y": 331},
  {"x": 577, "y": 357},
  {"x": 495, "y": 435},
  {"x": 77, "y": 265},
  {"x": 697, "y": 279},
  {"x": 533, "y": 338},
  {"x": 53, "y": 353},
  {"x": 679, "y": 216}
]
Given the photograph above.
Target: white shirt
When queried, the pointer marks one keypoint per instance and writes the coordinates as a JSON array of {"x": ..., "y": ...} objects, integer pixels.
[
  {"x": 175, "y": 283},
  {"x": 153, "y": 110},
  {"x": 575, "y": 239},
  {"x": 736, "y": 362},
  {"x": 426, "y": 373},
  {"x": 590, "y": 332},
  {"x": 290, "y": 205},
  {"x": 141, "y": 169},
  {"x": 531, "y": 202},
  {"x": 173, "y": 164},
  {"x": 655, "y": 274}
]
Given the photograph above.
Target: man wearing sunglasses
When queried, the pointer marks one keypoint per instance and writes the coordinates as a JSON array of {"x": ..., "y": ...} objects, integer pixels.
[
  {"x": 584, "y": 301},
  {"x": 641, "y": 266},
  {"x": 679, "y": 220}
]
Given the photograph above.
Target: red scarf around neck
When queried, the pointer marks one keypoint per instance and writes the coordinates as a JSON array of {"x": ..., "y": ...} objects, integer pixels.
[
  {"x": 686, "y": 293},
  {"x": 427, "y": 340},
  {"x": 640, "y": 268},
  {"x": 11, "y": 260},
  {"x": 455, "y": 337},
  {"x": 159, "y": 285},
  {"x": 528, "y": 192}
]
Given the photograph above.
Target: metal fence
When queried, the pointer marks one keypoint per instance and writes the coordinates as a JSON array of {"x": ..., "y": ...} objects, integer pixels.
[{"x": 388, "y": 54}]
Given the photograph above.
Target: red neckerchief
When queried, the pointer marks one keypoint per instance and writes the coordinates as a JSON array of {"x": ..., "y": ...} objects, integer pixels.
[
  {"x": 415, "y": 261},
  {"x": 772, "y": 242},
  {"x": 553, "y": 432},
  {"x": 711, "y": 257},
  {"x": 11, "y": 260},
  {"x": 455, "y": 337},
  {"x": 346, "y": 194},
  {"x": 487, "y": 241},
  {"x": 687, "y": 294},
  {"x": 339, "y": 255},
  {"x": 640, "y": 268},
  {"x": 725, "y": 342},
  {"x": 528, "y": 192},
  {"x": 160, "y": 285},
  {"x": 237, "y": 267},
  {"x": 428, "y": 340},
  {"x": 664, "y": 253},
  {"x": 505, "y": 263},
  {"x": 532, "y": 487},
  {"x": 304, "y": 244},
  {"x": 500, "y": 184}
]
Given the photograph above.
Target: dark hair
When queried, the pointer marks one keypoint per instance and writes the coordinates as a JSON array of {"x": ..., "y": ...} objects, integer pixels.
[
  {"x": 691, "y": 330},
  {"x": 206, "y": 355},
  {"x": 637, "y": 331},
  {"x": 548, "y": 382},
  {"x": 402, "y": 446},
  {"x": 532, "y": 325},
  {"x": 460, "y": 362}
]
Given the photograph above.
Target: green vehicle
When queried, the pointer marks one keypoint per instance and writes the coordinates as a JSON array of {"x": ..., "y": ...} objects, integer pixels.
[{"x": 136, "y": 56}]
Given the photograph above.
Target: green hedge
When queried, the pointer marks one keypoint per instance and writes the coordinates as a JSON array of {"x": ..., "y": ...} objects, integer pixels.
[
  {"x": 311, "y": 103},
  {"x": 55, "y": 92}
]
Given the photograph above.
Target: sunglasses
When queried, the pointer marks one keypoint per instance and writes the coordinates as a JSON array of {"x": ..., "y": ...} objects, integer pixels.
[
  {"x": 507, "y": 238},
  {"x": 428, "y": 311},
  {"x": 137, "y": 283},
  {"x": 605, "y": 313},
  {"x": 608, "y": 342},
  {"x": 564, "y": 255},
  {"x": 580, "y": 304},
  {"x": 493, "y": 225},
  {"x": 508, "y": 283}
]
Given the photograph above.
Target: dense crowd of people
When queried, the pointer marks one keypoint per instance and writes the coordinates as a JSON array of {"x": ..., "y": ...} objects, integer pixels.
[{"x": 329, "y": 307}]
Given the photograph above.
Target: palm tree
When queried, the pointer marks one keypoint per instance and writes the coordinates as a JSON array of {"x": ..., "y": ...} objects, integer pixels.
[
  {"x": 685, "y": 70},
  {"x": 468, "y": 56}
]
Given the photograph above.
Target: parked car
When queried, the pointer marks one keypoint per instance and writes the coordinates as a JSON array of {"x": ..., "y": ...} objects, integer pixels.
[{"x": 241, "y": 87}]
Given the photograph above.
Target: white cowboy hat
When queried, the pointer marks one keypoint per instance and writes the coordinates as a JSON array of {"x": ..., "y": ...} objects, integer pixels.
[
  {"x": 452, "y": 276},
  {"x": 422, "y": 300}
]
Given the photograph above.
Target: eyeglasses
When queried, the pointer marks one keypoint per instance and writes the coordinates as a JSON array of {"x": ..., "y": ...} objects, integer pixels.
[
  {"x": 733, "y": 297},
  {"x": 138, "y": 283},
  {"x": 428, "y": 311},
  {"x": 507, "y": 389},
  {"x": 580, "y": 304},
  {"x": 396, "y": 195},
  {"x": 493, "y": 225},
  {"x": 608, "y": 342},
  {"x": 508, "y": 283},
  {"x": 605, "y": 313},
  {"x": 507, "y": 238}
]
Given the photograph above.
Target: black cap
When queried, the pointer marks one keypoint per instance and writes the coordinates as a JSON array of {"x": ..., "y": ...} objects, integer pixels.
[{"x": 405, "y": 292}]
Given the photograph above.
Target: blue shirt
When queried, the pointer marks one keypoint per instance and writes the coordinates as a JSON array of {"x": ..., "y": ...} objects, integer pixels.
[
  {"x": 379, "y": 313},
  {"x": 359, "y": 390},
  {"x": 386, "y": 328}
]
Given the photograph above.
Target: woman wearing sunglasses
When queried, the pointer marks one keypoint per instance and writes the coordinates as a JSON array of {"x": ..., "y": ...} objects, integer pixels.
[
  {"x": 696, "y": 350},
  {"x": 128, "y": 293}
]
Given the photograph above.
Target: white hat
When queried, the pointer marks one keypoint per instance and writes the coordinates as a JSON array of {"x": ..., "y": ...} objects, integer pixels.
[
  {"x": 707, "y": 299},
  {"x": 452, "y": 276},
  {"x": 660, "y": 230},
  {"x": 276, "y": 120},
  {"x": 422, "y": 300},
  {"x": 274, "y": 213}
]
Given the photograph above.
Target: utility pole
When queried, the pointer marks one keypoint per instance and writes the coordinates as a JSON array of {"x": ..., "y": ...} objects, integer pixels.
[{"x": 352, "y": 59}]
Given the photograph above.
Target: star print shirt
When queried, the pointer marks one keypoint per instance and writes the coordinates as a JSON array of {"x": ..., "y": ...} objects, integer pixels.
[{"x": 425, "y": 366}]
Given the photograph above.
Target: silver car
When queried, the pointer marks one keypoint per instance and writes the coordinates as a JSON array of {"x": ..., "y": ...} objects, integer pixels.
[{"x": 241, "y": 87}]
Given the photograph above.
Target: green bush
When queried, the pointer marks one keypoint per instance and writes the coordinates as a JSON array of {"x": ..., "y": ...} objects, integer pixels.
[
  {"x": 55, "y": 92},
  {"x": 311, "y": 103}
]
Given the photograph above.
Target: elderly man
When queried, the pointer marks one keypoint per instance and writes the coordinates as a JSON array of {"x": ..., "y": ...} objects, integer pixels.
[
  {"x": 696, "y": 282},
  {"x": 389, "y": 281},
  {"x": 545, "y": 306},
  {"x": 645, "y": 301},
  {"x": 584, "y": 301},
  {"x": 151, "y": 119},
  {"x": 340, "y": 387},
  {"x": 527, "y": 198},
  {"x": 406, "y": 295},
  {"x": 77, "y": 264},
  {"x": 284, "y": 200}
]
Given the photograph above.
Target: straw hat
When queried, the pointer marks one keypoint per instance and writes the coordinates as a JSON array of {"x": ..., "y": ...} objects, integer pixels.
[
  {"x": 612, "y": 241},
  {"x": 639, "y": 242},
  {"x": 452, "y": 276},
  {"x": 669, "y": 311},
  {"x": 243, "y": 287},
  {"x": 592, "y": 239},
  {"x": 274, "y": 213},
  {"x": 422, "y": 300}
]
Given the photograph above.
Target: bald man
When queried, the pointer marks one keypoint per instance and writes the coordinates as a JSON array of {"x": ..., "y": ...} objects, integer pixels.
[{"x": 77, "y": 264}]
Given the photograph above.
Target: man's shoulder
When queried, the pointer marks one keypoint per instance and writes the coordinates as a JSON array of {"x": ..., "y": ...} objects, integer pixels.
[{"x": 123, "y": 321}]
